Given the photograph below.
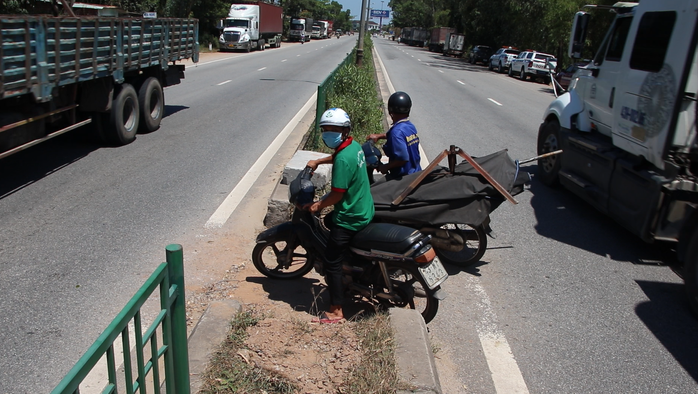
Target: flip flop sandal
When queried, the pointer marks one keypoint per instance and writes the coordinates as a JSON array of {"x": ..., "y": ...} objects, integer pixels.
[{"x": 324, "y": 319}]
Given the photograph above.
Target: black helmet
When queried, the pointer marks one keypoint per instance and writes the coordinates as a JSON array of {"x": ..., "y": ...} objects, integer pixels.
[{"x": 399, "y": 103}]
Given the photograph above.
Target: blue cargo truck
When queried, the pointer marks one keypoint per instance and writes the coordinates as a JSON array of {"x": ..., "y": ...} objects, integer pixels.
[{"x": 61, "y": 73}]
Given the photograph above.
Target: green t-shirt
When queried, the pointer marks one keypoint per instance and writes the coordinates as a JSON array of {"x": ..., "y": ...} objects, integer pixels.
[{"x": 355, "y": 210}]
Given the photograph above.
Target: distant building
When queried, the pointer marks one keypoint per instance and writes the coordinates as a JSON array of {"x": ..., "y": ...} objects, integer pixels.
[{"x": 370, "y": 25}]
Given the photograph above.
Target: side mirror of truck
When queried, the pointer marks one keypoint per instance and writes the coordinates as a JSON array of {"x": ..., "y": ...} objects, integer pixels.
[{"x": 578, "y": 35}]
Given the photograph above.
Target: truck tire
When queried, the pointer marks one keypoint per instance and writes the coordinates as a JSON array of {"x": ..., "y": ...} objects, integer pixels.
[
  {"x": 690, "y": 268},
  {"x": 549, "y": 141},
  {"x": 122, "y": 121},
  {"x": 261, "y": 44},
  {"x": 151, "y": 102},
  {"x": 489, "y": 65}
]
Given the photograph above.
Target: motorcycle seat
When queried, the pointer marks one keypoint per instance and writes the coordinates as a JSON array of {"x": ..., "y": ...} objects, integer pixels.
[{"x": 387, "y": 237}]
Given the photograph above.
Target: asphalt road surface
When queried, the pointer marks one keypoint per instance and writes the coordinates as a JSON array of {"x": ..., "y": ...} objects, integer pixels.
[
  {"x": 564, "y": 300},
  {"x": 83, "y": 226}
]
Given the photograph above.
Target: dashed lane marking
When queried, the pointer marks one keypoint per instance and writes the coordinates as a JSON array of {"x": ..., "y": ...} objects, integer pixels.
[
  {"x": 492, "y": 100},
  {"x": 224, "y": 82}
]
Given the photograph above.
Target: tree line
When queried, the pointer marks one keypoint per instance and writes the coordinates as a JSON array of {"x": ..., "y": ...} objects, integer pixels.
[{"x": 541, "y": 25}]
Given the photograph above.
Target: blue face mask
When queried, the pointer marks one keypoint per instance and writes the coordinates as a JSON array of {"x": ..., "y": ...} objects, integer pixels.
[{"x": 332, "y": 139}]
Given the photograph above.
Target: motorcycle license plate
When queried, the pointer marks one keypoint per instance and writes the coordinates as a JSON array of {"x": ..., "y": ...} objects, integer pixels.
[{"x": 434, "y": 273}]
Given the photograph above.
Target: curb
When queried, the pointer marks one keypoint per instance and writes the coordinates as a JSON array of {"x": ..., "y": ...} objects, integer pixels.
[{"x": 413, "y": 354}]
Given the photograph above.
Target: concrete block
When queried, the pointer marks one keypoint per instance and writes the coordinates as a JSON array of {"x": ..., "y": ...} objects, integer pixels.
[
  {"x": 278, "y": 207},
  {"x": 323, "y": 174},
  {"x": 415, "y": 360}
]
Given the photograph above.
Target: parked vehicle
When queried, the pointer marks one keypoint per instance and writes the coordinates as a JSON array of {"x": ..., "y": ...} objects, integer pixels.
[
  {"x": 533, "y": 64},
  {"x": 627, "y": 127},
  {"x": 480, "y": 54},
  {"x": 414, "y": 36},
  {"x": 502, "y": 58},
  {"x": 391, "y": 265},
  {"x": 58, "y": 74},
  {"x": 564, "y": 77},
  {"x": 300, "y": 29},
  {"x": 251, "y": 26},
  {"x": 438, "y": 37},
  {"x": 455, "y": 45},
  {"x": 320, "y": 29}
]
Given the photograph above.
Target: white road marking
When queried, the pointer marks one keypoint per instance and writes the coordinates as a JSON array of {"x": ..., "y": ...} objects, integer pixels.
[
  {"x": 460, "y": 82},
  {"x": 260, "y": 69},
  {"x": 419, "y": 60},
  {"x": 441, "y": 71},
  {"x": 494, "y": 101},
  {"x": 231, "y": 202},
  {"x": 224, "y": 82},
  {"x": 283, "y": 60},
  {"x": 298, "y": 55}
]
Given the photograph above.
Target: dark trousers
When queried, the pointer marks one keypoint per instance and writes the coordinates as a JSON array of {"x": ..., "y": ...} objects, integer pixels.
[{"x": 337, "y": 247}]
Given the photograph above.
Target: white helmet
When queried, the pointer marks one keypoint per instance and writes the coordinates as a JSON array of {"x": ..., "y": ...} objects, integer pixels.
[{"x": 335, "y": 117}]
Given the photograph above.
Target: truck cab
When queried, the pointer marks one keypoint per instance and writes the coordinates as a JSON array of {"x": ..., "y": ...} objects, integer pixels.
[
  {"x": 240, "y": 28},
  {"x": 627, "y": 126}
]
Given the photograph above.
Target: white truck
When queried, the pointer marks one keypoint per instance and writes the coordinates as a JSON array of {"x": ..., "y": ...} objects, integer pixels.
[
  {"x": 300, "y": 29},
  {"x": 251, "y": 26},
  {"x": 627, "y": 126},
  {"x": 320, "y": 29}
]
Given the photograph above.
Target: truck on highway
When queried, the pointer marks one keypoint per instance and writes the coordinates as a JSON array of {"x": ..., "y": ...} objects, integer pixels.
[
  {"x": 320, "y": 29},
  {"x": 627, "y": 127},
  {"x": 251, "y": 26},
  {"x": 438, "y": 37},
  {"x": 454, "y": 45},
  {"x": 300, "y": 29},
  {"x": 61, "y": 73},
  {"x": 414, "y": 36}
]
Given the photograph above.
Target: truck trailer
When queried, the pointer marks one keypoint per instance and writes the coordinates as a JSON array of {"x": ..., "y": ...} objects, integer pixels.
[
  {"x": 438, "y": 37},
  {"x": 627, "y": 127},
  {"x": 251, "y": 26},
  {"x": 454, "y": 45},
  {"x": 61, "y": 73}
]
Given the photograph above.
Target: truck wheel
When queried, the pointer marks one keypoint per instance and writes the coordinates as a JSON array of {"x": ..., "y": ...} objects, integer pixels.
[
  {"x": 261, "y": 44},
  {"x": 690, "y": 268},
  {"x": 522, "y": 74},
  {"x": 549, "y": 141},
  {"x": 122, "y": 122},
  {"x": 151, "y": 101},
  {"x": 249, "y": 47}
]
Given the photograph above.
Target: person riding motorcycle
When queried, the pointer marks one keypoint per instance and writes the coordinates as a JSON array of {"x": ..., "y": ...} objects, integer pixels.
[
  {"x": 351, "y": 196},
  {"x": 402, "y": 145}
]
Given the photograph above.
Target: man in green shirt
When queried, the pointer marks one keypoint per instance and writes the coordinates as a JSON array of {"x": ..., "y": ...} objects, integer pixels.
[{"x": 351, "y": 196}]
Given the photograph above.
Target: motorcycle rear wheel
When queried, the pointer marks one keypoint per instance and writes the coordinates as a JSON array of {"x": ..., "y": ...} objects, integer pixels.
[
  {"x": 473, "y": 250},
  {"x": 280, "y": 259},
  {"x": 409, "y": 285}
]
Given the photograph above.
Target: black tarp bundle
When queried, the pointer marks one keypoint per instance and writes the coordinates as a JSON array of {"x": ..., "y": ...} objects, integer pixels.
[{"x": 463, "y": 197}]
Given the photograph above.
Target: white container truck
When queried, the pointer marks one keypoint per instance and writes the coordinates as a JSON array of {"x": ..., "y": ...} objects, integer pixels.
[
  {"x": 627, "y": 126},
  {"x": 300, "y": 29},
  {"x": 251, "y": 26},
  {"x": 320, "y": 29}
]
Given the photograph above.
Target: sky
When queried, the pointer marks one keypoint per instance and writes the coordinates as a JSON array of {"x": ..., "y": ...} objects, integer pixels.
[{"x": 355, "y": 7}]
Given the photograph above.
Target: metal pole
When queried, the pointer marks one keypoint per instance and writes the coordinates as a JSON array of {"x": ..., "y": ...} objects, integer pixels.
[
  {"x": 180, "y": 351},
  {"x": 362, "y": 27}
]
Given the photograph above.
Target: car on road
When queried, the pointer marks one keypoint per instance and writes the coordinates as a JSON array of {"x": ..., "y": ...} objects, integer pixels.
[
  {"x": 502, "y": 58},
  {"x": 564, "y": 77},
  {"x": 480, "y": 54},
  {"x": 533, "y": 64}
]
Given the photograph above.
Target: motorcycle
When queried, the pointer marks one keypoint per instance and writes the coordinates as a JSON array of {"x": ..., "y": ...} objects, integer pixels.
[
  {"x": 452, "y": 204},
  {"x": 391, "y": 265}
]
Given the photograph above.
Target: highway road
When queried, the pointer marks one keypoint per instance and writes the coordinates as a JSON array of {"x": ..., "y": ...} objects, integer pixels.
[
  {"x": 564, "y": 300},
  {"x": 83, "y": 226}
]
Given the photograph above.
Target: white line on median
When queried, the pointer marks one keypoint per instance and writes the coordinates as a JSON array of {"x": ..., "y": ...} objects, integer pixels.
[
  {"x": 494, "y": 101},
  {"x": 224, "y": 82},
  {"x": 231, "y": 202}
]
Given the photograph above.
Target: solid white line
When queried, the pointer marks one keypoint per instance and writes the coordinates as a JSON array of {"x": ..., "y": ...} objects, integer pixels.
[
  {"x": 494, "y": 101},
  {"x": 260, "y": 69},
  {"x": 224, "y": 82},
  {"x": 231, "y": 202}
]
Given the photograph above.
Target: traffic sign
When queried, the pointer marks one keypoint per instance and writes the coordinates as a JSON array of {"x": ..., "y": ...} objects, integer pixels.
[{"x": 380, "y": 13}]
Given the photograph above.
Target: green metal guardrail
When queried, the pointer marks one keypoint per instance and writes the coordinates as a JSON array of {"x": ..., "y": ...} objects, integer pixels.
[
  {"x": 324, "y": 89},
  {"x": 169, "y": 278}
]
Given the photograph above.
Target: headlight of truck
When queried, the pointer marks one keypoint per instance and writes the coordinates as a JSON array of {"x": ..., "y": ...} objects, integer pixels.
[
  {"x": 245, "y": 38},
  {"x": 221, "y": 38}
]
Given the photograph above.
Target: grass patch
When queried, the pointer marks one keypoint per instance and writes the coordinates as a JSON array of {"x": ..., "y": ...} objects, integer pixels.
[{"x": 230, "y": 373}]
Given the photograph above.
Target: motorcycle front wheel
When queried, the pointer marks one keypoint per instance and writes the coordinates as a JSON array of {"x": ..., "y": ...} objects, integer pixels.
[
  {"x": 413, "y": 291},
  {"x": 475, "y": 244},
  {"x": 280, "y": 259}
]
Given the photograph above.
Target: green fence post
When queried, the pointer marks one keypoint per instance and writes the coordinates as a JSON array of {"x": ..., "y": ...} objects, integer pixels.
[{"x": 180, "y": 352}]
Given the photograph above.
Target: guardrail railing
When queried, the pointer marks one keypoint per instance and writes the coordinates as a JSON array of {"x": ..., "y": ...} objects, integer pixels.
[{"x": 173, "y": 353}]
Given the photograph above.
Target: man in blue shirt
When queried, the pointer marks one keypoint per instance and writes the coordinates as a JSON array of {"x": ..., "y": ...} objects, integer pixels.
[{"x": 402, "y": 141}]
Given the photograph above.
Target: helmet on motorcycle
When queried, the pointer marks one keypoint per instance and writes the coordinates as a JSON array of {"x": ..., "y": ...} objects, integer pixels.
[
  {"x": 399, "y": 103},
  {"x": 372, "y": 154},
  {"x": 301, "y": 191},
  {"x": 335, "y": 117}
]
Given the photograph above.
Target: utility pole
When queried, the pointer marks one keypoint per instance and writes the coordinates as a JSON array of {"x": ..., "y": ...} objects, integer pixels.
[{"x": 362, "y": 28}]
